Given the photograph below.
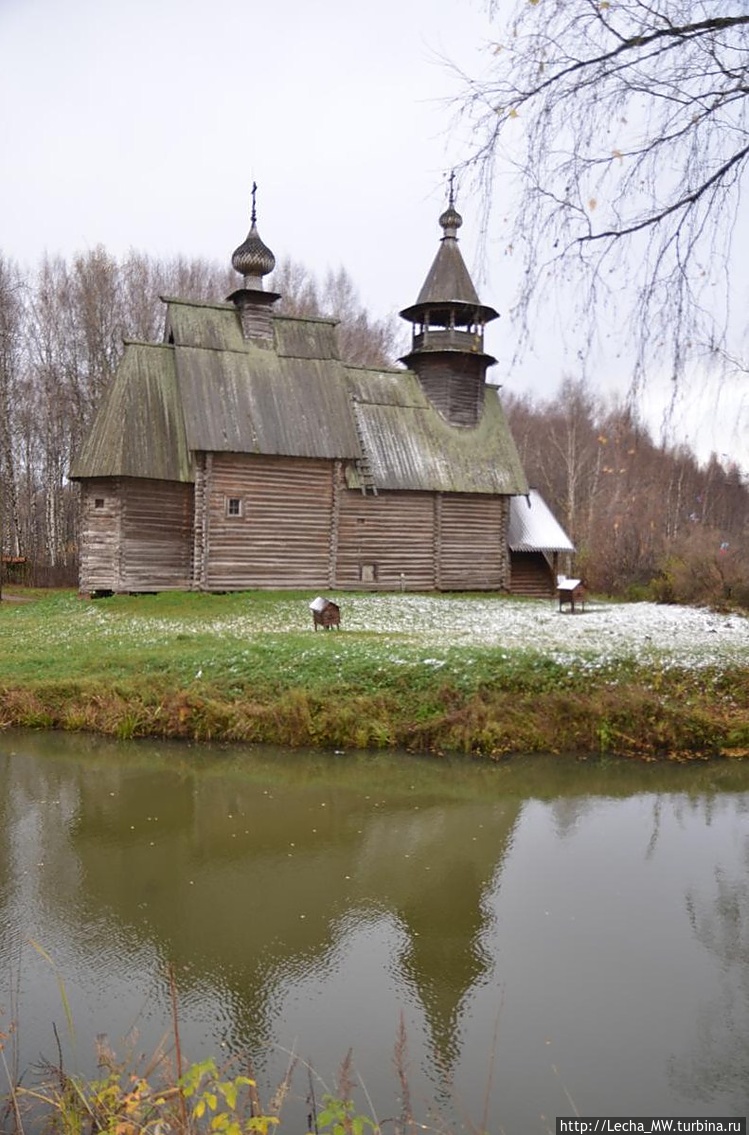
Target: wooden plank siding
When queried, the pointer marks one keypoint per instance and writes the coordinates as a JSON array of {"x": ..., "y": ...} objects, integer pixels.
[
  {"x": 532, "y": 575},
  {"x": 282, "y": 537}
]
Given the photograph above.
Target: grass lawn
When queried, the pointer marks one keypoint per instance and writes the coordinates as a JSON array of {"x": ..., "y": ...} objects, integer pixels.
[{"x": 485, "y": 675}]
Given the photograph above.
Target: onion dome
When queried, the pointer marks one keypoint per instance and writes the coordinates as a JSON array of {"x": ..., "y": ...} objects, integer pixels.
[
  {"x": 451, "y": 220},
  {"x": 253, "y": 259}
]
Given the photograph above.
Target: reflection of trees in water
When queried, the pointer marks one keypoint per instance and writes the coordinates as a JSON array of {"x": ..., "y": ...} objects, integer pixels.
[
  {"x": 214, "y": 872},
  {"x": 9, "y": 935},
  {"x": 719, "y": 1062},
  {"x": 37, "y": 803},
  {"x": 707, "y": 807}
]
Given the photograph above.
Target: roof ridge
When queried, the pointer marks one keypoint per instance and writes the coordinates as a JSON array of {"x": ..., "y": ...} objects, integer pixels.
[
  {"x": 332, "y": 320},
  {"x": 222, "y": 305}
]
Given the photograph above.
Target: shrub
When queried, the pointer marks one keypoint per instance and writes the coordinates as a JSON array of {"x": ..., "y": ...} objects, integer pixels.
[{"x": 701, "y": 568}]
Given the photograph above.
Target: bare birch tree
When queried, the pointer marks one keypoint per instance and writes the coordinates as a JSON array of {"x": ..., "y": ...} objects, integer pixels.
[
  {"x": 11, "y": 363},
  {"x": 625, "y": 122},
  {"x": 628, "y": 502}
]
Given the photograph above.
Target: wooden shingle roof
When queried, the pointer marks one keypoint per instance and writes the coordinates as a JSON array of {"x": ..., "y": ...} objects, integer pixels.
[
  {"x": 207, "y": 389},
  {"x": 139, "y": 430},
  {"x": 409, "y": 445},
  {"x": 448, "y": 286}
]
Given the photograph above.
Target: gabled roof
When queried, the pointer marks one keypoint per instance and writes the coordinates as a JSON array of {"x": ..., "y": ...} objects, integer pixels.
[
  {"x": 534, "y": 528},
  {"x": 207, "y": 389}
]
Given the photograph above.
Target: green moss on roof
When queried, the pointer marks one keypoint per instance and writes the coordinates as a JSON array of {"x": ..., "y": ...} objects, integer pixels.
[
  {"x": 139, "y": 430},
  {"x": 213, "y": 391},
  {"x": 410, "y": 445}
]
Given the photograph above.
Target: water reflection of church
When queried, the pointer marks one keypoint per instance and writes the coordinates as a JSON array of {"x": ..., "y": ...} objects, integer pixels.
[
  {"x": 226, "y": 894},
  {"x": 255, "y": 879}
]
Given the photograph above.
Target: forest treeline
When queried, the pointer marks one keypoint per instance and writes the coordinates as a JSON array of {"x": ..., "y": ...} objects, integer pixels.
[{"x": 645, "y": 518}]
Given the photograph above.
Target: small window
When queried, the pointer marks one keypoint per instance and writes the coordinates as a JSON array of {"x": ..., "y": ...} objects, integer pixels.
[
  {"x": 98, "y": 502},
  {"x": 233, "y": 506},
  {"x": 368, "y": 573}
]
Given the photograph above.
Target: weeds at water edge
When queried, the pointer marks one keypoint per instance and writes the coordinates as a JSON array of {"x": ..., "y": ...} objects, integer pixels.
[{"x": 165, "y": 1095}]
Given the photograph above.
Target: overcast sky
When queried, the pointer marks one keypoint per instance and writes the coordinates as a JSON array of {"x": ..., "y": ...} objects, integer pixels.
[{"x": 142, "y": 124}]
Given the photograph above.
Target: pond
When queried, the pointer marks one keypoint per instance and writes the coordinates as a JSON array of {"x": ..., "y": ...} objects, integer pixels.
[{"x": 553, "y": 934}]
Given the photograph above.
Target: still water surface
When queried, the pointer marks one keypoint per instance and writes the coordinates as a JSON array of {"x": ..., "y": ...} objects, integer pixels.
[{"x": 550, "y": 931}]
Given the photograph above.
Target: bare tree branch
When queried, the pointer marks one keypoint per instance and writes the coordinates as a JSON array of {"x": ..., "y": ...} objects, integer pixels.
[
  {"x": 625, "y": 128},
  {"x": 683, "y": 202}
]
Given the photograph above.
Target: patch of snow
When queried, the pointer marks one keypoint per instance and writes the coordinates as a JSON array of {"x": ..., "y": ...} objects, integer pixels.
[
  {"x": 417, "y": 628},
  {"x": 691, "y": 636}
]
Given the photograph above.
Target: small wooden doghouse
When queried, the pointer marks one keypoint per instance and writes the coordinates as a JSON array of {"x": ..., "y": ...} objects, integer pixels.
[
  {"x": 325, "y": 613},
  {"x": 571, "y": 592}
]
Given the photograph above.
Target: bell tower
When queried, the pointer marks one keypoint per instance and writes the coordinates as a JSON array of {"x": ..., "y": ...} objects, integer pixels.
[{"x": 447, "y": 344}]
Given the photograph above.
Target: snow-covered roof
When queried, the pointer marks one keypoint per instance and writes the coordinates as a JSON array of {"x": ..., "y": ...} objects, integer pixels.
[{"x": 534, "y": 528}]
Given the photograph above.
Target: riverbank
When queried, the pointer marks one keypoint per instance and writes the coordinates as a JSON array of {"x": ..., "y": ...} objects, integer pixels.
[{"x": 479, "y": 675}]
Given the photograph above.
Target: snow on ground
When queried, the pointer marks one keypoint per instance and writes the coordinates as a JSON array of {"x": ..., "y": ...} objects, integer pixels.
[
  {"x": 603, "y": 632},
  {"x": 692, "y": 635}
]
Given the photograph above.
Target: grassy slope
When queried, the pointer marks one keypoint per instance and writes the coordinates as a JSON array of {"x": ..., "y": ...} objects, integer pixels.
[{"x": 248, "y": 667}]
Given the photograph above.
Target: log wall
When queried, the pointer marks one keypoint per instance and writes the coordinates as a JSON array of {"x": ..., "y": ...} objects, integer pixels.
[
  {"x": 282, "y": 538},
  {"x": 298, "y": 526},
  {"x": 454, "y": 386},
  {"x": 157, "y": 533},
  {"x": 473, "y": 553},
  {"x": 423, "y": 541},
  {"x": 99, "y": 543},
  {"x": 385, "y": 541},
  {"x": 139, "y": 538}
]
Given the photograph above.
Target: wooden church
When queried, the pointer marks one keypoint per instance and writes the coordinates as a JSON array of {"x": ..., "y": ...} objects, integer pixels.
[{"x": 243, "y": 452}]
